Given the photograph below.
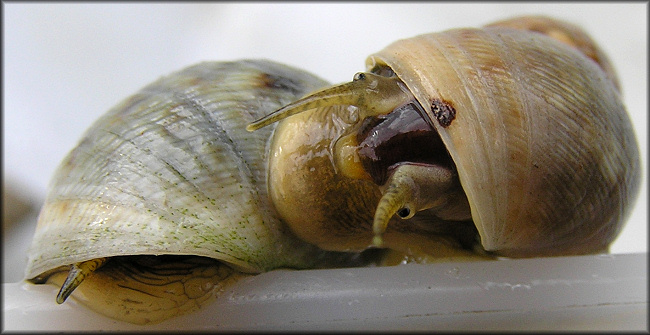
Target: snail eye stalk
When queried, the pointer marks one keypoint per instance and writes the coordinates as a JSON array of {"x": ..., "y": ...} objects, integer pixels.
[{"x": 371, "y": 93}]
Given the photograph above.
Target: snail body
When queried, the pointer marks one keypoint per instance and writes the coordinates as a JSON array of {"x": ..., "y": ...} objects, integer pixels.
[{"x": 510, "y": 140}]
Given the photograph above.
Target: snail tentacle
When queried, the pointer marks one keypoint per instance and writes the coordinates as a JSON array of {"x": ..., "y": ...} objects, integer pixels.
[
  {"x": 411, "y": 188},
  {"x": 373, "y": 94},
  {"x": 78, "y": 272},
  {"x": 393, "y": 200}
]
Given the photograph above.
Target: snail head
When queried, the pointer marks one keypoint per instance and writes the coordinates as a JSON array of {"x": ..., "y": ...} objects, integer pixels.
[{"x": 391, "y": 143}]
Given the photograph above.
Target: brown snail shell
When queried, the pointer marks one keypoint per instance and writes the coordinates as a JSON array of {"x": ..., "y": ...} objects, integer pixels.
[{"x": 550, "y": 131}]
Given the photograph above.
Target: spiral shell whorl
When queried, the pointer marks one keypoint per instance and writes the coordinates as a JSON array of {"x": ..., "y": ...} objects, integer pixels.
[
  {"x": 171, "y": 170},
  {"x": 542, "y": 142}
]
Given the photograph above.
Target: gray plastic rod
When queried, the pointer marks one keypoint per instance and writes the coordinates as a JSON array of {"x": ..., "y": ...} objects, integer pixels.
[{"x": 601, "y": 292}]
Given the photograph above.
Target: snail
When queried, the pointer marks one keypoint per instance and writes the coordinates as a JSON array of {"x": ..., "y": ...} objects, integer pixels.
[{"x": 509, "y": 140}]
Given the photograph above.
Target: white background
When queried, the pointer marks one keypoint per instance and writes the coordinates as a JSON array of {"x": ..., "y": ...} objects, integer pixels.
[{"x": 66, "y": 64}]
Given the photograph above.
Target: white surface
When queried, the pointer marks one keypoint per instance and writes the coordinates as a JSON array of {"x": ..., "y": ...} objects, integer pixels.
[{"x": 565, "y": 293}]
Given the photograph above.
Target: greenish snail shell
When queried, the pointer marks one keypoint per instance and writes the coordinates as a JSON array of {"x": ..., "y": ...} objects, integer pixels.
[
  {"x": 510, "y": 140},
  {"x": 171, "y": 171}
]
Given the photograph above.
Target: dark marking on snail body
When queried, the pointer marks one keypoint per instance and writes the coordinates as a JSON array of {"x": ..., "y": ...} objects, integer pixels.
[{"x": 444, "y": 112}]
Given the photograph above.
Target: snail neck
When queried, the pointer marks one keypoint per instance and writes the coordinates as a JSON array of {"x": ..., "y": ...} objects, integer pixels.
[{"x": 321, "y": 205}]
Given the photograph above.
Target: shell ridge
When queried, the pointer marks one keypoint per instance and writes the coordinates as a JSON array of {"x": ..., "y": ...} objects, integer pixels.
[
  {"x": 517, "y": 125},
  {"x": 476, "y": 135},
  {"x": 167, "y": 162},
  {"x": 244, "y": 176},
  {"x": 256, "y": 181},
  {"x": 477, "y": 47}
]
